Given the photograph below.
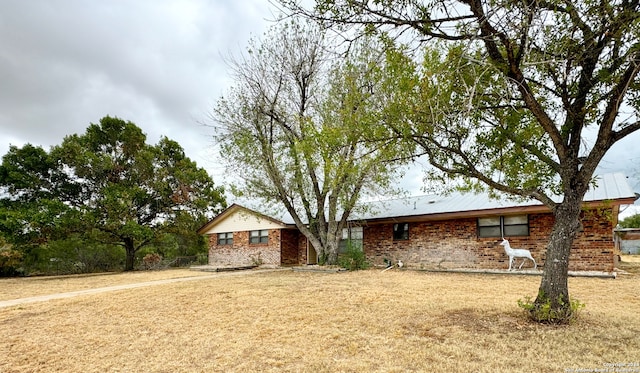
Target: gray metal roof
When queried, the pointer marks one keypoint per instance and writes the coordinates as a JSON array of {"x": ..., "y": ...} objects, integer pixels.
[{"x": 608, "y": 187}]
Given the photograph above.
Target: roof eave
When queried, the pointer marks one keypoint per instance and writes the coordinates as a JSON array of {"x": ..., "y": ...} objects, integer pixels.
[{"x": 488, "y": 212}]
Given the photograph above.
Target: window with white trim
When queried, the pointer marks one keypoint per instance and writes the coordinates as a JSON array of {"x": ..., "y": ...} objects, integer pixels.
[
  {"x": 503, "y": 226},
  {"x": 261, "y": 236}
]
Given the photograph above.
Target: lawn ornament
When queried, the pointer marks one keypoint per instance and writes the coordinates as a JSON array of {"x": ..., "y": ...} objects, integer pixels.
[
  {"x": 391, "y": 266},
  {"x": 517, "y": 253}
]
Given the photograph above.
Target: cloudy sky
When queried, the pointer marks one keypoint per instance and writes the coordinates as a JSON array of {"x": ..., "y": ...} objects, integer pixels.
[
  {"x": 159, "y": 63},
  {"x": 67, "y": 63}
]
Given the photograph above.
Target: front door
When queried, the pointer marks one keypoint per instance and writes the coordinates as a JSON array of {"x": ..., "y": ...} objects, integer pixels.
[{"x": 312, "y": 255}]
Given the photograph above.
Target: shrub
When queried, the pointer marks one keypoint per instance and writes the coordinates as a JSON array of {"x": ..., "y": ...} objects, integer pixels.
[
  {"x": 203, "y": 259},
  {"x": 151, "y": 260},
  {"x": 256, "y": 260},
  {"x": 545, "y": 313},
  {"x": 73, "y": 255},
  {"x": 10, "y": 262},
  {"x": 353, "y": 258}
]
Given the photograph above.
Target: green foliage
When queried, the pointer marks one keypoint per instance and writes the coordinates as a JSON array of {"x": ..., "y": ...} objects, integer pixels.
[
  {"x": 353, "y": 258},
  {"x": 106, "y": 188},
  {"x": 304, "y": 130},
  {"x": 546, "y": 311},
  {"x": 323, "y": 258},
  {"x": 74, "y": 254},
  {"x": 10, "y": 261},
  {"x": 631, "y": 221}
]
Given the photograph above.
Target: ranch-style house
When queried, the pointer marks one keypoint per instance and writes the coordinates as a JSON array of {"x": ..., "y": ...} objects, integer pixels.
[{"x": 456, "y": 231}]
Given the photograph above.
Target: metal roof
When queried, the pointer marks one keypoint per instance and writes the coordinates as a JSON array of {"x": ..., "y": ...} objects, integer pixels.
[{"x": 608, "y": 187}]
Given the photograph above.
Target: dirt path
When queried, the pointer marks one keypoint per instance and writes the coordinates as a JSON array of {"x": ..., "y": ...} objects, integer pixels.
[{"x": 71, "y": 294}]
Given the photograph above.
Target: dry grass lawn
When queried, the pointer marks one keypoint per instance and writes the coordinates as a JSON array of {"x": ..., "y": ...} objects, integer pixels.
[
  {"x": 13, "y": 288},
  {"x": 366, "y": 321}
]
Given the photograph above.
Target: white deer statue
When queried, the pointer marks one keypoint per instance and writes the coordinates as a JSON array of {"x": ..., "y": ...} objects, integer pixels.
[{"x": 517, "y": 253}]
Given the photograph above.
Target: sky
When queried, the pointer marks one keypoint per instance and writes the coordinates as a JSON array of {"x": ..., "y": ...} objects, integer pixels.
[{"x": 158, "y": 63}]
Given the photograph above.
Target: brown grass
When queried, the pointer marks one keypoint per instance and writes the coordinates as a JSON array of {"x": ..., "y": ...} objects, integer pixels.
[
  {"x": 630, "y": 258},
  {"x": 365, "y": 321},
  {"x": 630, "y": 264},
  {"x": 13, "y": 288}
]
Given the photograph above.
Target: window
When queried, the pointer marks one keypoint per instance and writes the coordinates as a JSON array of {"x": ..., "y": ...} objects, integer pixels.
[
  {"x": 225, "y": 238},
  {"x": 401, "y": 231},
  {"x": 490, "y": 227},
  {"x": 261, "y": 236},
  {"x": 516, "y": 225},
  {"x": 503, "y": 226},
  {"x": 353, "y": 236}
]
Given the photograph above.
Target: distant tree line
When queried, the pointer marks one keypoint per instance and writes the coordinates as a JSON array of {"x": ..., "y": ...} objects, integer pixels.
[
  {"x": 100, "y": 201},
  {"x": 632, "y": 221}
]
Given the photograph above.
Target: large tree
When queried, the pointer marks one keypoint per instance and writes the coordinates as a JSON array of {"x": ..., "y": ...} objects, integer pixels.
[
  {"x": 632, "y": 221},
  {"x": 32, "y": 195},
  {"x": 526, "y": 97},
  {"x": 296, "y": 129},
  {"x": 106, "y": 186}
]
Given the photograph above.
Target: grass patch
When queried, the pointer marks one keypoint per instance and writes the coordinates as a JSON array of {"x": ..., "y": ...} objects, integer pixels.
[
  {"x": 361, "y": 321},
  {"x": 546, "y": 314},
  {"x": 22, "y": 287},
  {"x": 630, "y": 264}
]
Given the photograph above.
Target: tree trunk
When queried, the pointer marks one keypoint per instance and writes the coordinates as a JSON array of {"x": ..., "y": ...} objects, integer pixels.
[
  {"x": 130, "y": 251},
  {"x": 327, "y": 249},
  {"x": 554, "y": 290},
  {"x": 332, "y": 252}
]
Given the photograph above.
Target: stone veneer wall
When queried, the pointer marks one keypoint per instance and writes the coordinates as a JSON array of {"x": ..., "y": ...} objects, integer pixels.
[
  {"x": 452, "y": 244},
  {"x": 243, "y": 253}
]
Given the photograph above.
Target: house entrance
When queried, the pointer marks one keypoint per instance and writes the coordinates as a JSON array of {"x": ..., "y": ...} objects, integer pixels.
[{"x": 312, "y": 255}]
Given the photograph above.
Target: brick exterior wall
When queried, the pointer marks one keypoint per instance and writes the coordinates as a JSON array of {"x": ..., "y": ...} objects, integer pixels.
[
  {"x": 594, "y": 249},
  {"x": 455, "y": 243},
  {"x": 302, "y": 249},
  {"x": 445, "y": 244},
  {"x": 243, "y": 253},
  {"x": 289, "y": 242}
]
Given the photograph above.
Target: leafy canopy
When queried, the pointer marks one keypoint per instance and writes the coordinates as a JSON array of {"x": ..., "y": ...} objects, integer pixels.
[
  {"x": 301, "y": 125},
  {"x": 105, "y": 186},
  {"x": 632, "y": 221}
]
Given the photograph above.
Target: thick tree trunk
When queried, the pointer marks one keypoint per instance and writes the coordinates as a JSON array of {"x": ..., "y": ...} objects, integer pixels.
[
  {"x": 332, "y": 252},
  {"x": 554, "y": 290},
  {"x": 130, "y": 251},
  {"x": 327, "y": 248}
]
